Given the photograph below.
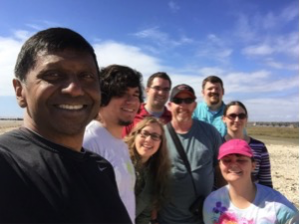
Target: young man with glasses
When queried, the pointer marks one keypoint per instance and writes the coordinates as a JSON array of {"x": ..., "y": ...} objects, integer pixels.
[
  {"x": 200, "y": 142},
  {"x": 211, "y": 109},
  {"x": 158, "y": 89}
]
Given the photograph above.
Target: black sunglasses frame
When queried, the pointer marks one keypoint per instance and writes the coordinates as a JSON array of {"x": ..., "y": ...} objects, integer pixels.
[
  {"x": 183, "y": 100},
  {"x": 233, "y": 116}
]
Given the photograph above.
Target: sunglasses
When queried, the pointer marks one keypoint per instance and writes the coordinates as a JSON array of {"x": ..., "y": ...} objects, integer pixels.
[
  {"x": 153, "y": 136},
  {"x": 241, "y": 116},
  {"x": 185, "y": 100}
]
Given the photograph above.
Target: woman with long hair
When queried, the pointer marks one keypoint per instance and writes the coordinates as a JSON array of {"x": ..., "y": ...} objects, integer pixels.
[
  {"x": 149, "y": 155},
  {"x": 236, "y": 117}
]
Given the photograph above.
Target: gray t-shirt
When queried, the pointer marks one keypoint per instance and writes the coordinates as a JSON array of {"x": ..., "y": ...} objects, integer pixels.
[{"x": 201, "y": 145}]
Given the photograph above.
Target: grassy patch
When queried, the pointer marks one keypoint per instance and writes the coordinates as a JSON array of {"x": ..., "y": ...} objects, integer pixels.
[{"x": 280, "y": 132}]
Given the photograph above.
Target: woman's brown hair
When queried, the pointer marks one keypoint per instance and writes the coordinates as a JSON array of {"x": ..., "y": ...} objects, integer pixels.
[{"x": 159, "y": 163}]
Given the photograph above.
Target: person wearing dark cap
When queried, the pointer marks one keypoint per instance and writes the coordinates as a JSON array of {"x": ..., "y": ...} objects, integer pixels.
[
  {"x": 242, "y": 201},
  {"x": 200, "y": 143}
]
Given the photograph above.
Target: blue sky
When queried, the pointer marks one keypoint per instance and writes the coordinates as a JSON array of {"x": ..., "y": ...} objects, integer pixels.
[{"x": 252, "y": 45}]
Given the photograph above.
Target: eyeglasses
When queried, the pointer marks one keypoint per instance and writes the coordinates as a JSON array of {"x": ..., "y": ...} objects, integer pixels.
[
  {"x": 233, "y": 116},
  {"x": 183, "y": 100},
  {"x": 154, "y": 136},
  {"x": 157, "y": 88}
]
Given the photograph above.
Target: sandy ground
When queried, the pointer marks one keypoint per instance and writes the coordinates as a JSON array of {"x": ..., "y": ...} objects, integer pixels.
[
  {"x": 284, "y": 156},
  {"x": 285, "y": 170}
]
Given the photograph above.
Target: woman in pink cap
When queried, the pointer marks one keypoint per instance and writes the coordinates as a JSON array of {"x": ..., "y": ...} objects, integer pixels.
[{"x": 242, "y": 201}]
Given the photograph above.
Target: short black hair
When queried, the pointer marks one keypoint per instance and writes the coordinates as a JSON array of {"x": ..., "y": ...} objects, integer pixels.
[
  {"x": 162, "y": 75},
  {"x": 114, "y": 81},
  {"x": 50, "y": 40}
]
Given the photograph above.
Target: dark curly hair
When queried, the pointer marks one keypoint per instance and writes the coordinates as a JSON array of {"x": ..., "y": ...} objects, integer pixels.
[{"x": 115, "y": 79}]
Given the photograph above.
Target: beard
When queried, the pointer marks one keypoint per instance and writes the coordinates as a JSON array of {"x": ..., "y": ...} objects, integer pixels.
[
  {"x": 124, "y": 123},
  {"x": 214, "y": 99}
]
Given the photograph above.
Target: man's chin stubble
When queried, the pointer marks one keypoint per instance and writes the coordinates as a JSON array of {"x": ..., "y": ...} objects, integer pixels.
[{"x": 124, "y": 123}]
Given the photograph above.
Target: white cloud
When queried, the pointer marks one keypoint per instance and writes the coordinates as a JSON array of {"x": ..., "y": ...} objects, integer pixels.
[
  {"x": 257, "y": 26},
  {"x": 259, "y": 82},
  {"x": 279, "y": 65},
  {"x": 284, "y": 44},
  {"x": 9, "y": 49},
  {"x": 162, "y": 39},
  {"x": 116, "y": 53},
  {"x": 244, "y": 29},
  {"x": 23, "y": 35},
  {"x": 208, "y": 71},
  {"x": 262, "y": 49},
  {"x": 152, "y": 33},
  {"x": 34, "y": 26},
  {"x": 215, "y": 48},
  {"x": 271, "y": 109}
]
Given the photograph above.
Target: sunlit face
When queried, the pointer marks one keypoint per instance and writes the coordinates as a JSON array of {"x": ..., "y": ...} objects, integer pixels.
[
  {"x": 148, "y": 141},
  {"x": 122, "y": 110},
  {"x": 232, "y": 119},
  {"x": 61, "y": 94},
  {"x": 213, "y": 93},
  {"x": 236, "y": 167},
  {"x": 183, "y": 111},
  {"x": 158, "y": 93}
]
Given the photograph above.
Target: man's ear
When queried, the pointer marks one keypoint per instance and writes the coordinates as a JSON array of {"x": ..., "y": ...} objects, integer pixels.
[{"x": 20, "y": 93}]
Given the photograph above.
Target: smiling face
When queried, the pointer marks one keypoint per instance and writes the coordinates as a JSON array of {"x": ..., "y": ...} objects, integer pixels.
[
  {"x": 61, "y": 95},
  {"x": 182, "y": 111},
  {"x": 158, "y": 93},
  {"x": 234, "y": 123},
  {"x": 121, "y": 110},
  {"x": 213, "y": 93},
  {"x": 148, "y": 141},
  {"x": 236, "y": 167}
]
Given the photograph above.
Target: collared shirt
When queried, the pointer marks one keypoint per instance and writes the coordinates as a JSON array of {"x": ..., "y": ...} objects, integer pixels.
[
  {"x": 142, "y": 113},
  {"x": 203, "y": 113}
]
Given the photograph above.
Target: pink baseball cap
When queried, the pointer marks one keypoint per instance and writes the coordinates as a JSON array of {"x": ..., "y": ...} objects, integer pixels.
[{"x": 235, "y": 146}]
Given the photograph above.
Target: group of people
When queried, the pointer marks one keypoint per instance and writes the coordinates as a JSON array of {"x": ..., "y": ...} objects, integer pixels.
[{"x": 91, "y": 151}]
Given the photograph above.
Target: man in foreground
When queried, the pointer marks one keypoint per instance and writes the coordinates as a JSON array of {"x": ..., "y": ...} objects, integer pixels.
[
  {"x": 121, "y": 94},
  {"x": 200, "y": 142},
  {"x": 47, "y": 177},
  {"x": 212, "y": 108},
  {"x": 158, "y": 89}
]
